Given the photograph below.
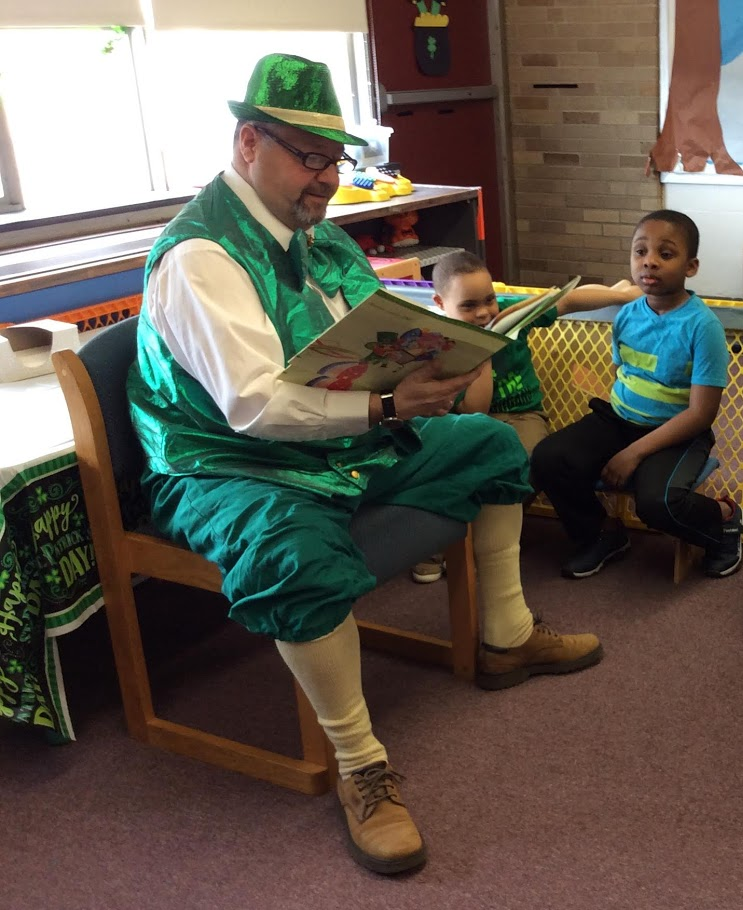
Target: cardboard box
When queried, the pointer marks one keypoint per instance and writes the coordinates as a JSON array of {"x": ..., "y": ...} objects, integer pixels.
[{"x": 26, "y": 349}]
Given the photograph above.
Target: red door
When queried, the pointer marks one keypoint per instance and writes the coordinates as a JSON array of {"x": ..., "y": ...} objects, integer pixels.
[{"x": 444, "y": 123}]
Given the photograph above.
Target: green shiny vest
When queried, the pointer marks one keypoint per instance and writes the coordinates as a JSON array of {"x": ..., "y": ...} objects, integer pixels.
[{"x": 181, "y": 428}]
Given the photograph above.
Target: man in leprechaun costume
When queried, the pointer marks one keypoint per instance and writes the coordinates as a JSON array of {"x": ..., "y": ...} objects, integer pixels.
[{"x": 262, "y": 476}]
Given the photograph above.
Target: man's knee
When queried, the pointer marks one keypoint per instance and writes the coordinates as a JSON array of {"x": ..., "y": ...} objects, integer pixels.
[
  {"x": 290, "y": 567},
  {"x": 297, "y": 587},
  {"x": 312, "y": 545}
]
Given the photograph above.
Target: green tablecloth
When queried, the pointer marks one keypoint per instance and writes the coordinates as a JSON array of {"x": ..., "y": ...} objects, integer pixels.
[
  {"x": 48, "y": 580},
  {"x": 48, "y": 586}
]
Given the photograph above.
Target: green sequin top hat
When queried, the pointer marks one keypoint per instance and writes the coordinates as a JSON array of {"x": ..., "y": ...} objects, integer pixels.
[{"x": 295, "y": 91}]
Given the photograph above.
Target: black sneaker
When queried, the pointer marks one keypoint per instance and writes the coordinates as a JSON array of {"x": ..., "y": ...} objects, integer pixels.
[
  {"x": 724, "y": 558},
  {"x": 591, "y": 559}
]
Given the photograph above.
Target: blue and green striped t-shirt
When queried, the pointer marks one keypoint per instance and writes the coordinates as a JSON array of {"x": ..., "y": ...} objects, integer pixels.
[{"x": 660, "y": 357}]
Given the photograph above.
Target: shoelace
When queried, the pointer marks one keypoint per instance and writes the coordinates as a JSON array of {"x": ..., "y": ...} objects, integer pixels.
[
  {"x": 377, "y": 783},
  {"x": 543, "y": 627}
]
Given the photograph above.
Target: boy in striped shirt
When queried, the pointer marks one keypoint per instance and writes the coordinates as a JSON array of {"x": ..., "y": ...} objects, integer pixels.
[{"x": 670, "y": 361}]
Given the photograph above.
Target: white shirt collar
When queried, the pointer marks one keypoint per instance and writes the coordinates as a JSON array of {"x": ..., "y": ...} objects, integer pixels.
[{"x": 253, "y": 203}]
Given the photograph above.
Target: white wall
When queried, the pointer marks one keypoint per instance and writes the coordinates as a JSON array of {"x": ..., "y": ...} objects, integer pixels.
[
  {"x": 714, "y": 202},
  {"x": 717, "y": 210}
]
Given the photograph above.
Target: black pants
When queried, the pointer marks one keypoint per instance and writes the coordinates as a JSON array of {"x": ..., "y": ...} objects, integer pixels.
[{"x": 567, "y": 464}]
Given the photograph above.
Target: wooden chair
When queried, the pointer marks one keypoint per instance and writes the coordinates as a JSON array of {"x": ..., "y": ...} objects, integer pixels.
[
  {"x": 685, "y": 555},
  {"x": 392, "y": 539}
]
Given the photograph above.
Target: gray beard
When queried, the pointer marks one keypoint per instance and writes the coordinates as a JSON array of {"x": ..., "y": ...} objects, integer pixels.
[{"x": 306, "y": 218}]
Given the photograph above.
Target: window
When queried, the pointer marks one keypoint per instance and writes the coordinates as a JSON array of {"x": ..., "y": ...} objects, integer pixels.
[
  {"x": 100, "y": 118},
  {"x": 71, "y": 104},
  {"x": 11, "y": 198},
  {"x": 192, "y": 116}
]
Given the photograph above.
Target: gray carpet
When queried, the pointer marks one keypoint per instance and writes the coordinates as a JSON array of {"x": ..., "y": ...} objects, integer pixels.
[{"x": 619, "y": 787}]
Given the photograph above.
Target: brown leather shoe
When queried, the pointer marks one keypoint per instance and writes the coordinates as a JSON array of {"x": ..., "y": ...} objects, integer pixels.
[
  {"x": 382, "y": 835},
  {"x": 544, "y": 651}
]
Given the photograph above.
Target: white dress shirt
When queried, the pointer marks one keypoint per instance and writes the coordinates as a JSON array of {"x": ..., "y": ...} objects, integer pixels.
[{"x": 205, "y": 307}]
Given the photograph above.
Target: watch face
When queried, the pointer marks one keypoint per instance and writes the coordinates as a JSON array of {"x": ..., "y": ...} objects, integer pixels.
[
  {"x": 388, "y": 404},
  {"x": 390, "y": 420}
]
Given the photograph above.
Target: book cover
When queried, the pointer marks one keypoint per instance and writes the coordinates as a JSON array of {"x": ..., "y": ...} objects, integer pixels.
[
  {"x": 514, "y": 319},
  {"x": 385, "y": 338}
]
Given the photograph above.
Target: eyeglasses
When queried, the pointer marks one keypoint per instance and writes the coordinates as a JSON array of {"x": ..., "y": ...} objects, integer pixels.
[{"x": 313, "y": 161}]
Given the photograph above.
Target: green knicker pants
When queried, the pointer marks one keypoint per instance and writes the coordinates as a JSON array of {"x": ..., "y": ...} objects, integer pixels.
[{"x": 289, "y": 566}]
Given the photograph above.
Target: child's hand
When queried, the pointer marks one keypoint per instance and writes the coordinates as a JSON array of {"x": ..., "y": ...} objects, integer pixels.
[{"x": 618, "y": 470}]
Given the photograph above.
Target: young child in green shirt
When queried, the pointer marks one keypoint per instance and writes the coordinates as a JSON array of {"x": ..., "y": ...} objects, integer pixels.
[{"x": 510, "y": 391}]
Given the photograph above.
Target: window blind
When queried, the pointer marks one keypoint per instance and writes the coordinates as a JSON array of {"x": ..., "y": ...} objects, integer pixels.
[
  {"x": 69, "y": 13},
  {"x": 287, "y": 15}
]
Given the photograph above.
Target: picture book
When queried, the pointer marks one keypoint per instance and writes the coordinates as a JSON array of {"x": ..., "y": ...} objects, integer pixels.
[
  {"x": 515, "y": 318},
  {"x": 385, "y": 338}
]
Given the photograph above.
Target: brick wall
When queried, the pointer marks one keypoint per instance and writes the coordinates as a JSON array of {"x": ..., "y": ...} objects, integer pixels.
[{"x": 579, "y": 152}]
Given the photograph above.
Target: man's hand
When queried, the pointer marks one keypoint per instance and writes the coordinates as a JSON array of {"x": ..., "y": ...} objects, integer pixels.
[
  {"x": 618, "y": 470},
  {"x": 423, "y": 394}
]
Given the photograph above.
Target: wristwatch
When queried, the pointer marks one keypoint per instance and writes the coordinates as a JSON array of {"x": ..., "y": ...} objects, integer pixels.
[{"x": 389, "y": 412}]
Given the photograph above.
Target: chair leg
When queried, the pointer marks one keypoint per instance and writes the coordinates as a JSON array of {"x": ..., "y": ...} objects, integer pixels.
[
  {"x": 460, "y": 652},
  {"x": 685, "y": 556},
  {"x": 312, "y": 774},
  {"x": 126, "y": 643},
  {"x": 463, "y": 615}
]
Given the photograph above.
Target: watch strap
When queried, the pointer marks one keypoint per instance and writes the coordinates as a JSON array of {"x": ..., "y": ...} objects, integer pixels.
[{"x": 389, "y": 411}]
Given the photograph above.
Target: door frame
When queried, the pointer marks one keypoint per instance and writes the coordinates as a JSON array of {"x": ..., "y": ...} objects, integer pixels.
[{"x": 503, "y": 139}]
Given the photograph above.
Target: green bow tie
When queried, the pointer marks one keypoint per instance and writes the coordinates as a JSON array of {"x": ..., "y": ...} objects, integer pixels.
[{"x": 314, "y": 257}]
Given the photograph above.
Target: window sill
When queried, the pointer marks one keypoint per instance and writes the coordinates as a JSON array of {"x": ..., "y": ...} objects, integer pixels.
[
  {"x": 34, "y": 268},
  {"x": 39, "y": 252},
  {"x": 94, "y": 244},
  {"x": 34, "y": 227},
  {"x": 42, "y": 252}
]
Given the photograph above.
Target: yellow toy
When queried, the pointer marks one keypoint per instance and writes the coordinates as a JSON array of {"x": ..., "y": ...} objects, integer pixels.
[
  {"x": 398, "y": 185},
  {"x": 348, "y": 193},
  {"x": 373, "y": 185}
]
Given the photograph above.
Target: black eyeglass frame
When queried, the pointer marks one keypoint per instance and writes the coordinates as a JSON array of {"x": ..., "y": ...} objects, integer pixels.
[{"x": 304, "y": 157}]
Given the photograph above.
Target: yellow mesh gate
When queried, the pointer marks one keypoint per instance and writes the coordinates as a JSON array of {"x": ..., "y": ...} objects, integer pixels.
[{"x": 573, "y": 361}]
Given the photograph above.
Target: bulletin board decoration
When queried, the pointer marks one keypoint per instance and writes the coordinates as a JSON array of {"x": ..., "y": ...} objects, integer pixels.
[
  {"x": 707, "y": 36},
  {"x": 431, "y": 38}
]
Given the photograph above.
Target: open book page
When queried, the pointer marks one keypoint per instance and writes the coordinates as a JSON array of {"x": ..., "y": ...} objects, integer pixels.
[
  {"x": 385, "y": 338},
  {"x": 511, "y": 321}
]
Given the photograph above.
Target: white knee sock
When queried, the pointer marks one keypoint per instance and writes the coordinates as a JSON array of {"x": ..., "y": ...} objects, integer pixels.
[
  {"x": 507, "y": 621},
  {"x": 329, "y": 671}
]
